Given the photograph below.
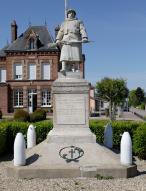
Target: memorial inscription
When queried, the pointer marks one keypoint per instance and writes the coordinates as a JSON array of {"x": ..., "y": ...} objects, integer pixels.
[{"x": 70, "y": 109}]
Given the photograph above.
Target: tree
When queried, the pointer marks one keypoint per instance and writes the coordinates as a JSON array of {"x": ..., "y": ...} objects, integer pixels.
[
  {"x": 114, "y": 91},
  {"x": 140, "y": 95},
  {"x": 136, "y": 97}
]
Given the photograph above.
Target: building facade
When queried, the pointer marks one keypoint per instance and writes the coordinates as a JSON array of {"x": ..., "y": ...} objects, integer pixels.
[{"x": 28, "y": 68}]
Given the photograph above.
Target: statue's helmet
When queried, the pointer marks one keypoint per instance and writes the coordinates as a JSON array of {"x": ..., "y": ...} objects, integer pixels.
[{"x": 71, "y": 11}]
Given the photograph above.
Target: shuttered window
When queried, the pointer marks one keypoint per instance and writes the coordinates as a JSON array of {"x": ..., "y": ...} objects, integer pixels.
[
  {"x": 32, "y": 71},
  {"x": 45, "y": 71},
  {"x": 18, "y": 71},
  {"x": 2, "y": 75}
]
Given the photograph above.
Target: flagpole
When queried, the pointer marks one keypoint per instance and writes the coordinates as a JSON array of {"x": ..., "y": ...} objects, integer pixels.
[{"x": 65, "y": 6}]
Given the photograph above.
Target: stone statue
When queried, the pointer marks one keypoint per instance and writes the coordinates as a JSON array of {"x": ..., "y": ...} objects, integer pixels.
[{"x": 71, "y": 35}]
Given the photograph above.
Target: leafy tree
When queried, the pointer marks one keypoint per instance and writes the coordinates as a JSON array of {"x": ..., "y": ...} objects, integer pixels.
[
  {"x": 133, "y": 98},
  {"x": 140, "y": 95},
  {"x": 136, "y": 97},
  {"x": 113, "y": 90}
]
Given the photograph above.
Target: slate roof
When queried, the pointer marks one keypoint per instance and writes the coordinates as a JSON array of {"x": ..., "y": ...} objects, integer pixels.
[
  {"x": 20, "y": 44},
  {"x": 2, "y": 51}
]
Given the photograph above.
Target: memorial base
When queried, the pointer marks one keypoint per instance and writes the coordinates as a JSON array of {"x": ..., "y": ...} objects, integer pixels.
[
  {"x": 52, "y": 160},
  {"x": 70, "y": 149}
]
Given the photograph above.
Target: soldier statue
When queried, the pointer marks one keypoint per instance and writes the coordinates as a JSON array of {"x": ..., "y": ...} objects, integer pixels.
[{"x": 71, "y": 35}]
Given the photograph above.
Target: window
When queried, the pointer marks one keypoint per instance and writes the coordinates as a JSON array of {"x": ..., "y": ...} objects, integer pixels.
[
  {"x": 31, "y": 43},
  {"x": 18, "y": 71},
  {"x": 18, "y": 98},
  {"x": 45, "y": 71},
  {"x": 2, "y": 75},
  {"x": 32, "y": 71},
  {"x": 46, "y": 98}
]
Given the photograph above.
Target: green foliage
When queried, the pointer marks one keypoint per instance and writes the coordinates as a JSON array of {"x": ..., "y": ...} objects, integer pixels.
[
  {"x": 97, "y": 127},
  {"x": 38, "y": 115},
  {"x": 136, "y": 97},
  {"x": 140, "y": 95},
  {"x": 100, "y": 177},
  {"x": 139, "y": 145},
  {"x": 114, "y": 90},
  {"x": 3, "y": 139},
  {"x": 9, "y": 129},
  {"x": 119, "y": 127},
  {"x": 42, "y": 129},
  {"x": 13, "y": 127},
  {"x": 21, "y": 115}
]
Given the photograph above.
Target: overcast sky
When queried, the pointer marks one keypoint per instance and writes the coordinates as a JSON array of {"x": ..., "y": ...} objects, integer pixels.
[{"x": 117, "y": 27}]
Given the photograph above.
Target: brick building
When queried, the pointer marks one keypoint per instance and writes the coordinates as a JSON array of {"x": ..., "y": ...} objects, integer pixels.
[{"x": 27, "y": 69}]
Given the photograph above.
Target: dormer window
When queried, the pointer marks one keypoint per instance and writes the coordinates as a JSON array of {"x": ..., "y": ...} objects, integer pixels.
[{"x": 31, "y": 43}]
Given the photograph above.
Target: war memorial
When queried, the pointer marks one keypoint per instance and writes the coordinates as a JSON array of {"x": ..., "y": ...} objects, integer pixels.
[{"x": 70, "y": 149}]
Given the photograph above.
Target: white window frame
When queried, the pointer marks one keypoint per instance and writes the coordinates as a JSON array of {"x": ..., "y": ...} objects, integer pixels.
[
  {"x": 3, "y": 75},
  {"x": 18, "y": 76},
  {"x": 18, "y": 98},
  {"x": 29, "y": 72},
  {"x": 46, "y": 77},
  {"x": 46, "y": 98}
]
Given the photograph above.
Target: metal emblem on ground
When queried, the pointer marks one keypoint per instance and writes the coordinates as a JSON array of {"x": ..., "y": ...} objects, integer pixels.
[{"x": 71, "y": 153}]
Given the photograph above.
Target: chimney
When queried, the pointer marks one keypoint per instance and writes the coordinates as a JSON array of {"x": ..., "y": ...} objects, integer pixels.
[{"x": 13, "y": 31}]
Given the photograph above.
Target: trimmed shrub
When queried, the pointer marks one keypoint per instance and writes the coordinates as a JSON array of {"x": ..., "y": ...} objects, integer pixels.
[
  {"x": 38, "y": 115},
  {"x": 119, "y": 127},
  {"x": 3, "y": 139},
  {"x": 139, "y": 145},
  {"x": 97, "y": 127},
  {"x": 42, "y": 129},
  {"x": 8, "y": 131},
  {"x": 14, "y": 127},
  {"x": 21, "y": 115}
]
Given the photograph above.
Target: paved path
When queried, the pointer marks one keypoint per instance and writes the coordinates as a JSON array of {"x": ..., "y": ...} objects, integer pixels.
[
  {"x": 129, "y": 116},
  {"x": 125, "y": 116}
]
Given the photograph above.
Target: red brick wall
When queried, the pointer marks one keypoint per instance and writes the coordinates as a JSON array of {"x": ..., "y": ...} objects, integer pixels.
[{"x": 4, "y": 98}]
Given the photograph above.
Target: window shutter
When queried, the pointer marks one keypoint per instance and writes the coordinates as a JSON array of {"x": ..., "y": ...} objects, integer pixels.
[
  {"x": 32, "y": 71},
  {"x": 18, "y": 71},
  {"x": 46, "y": 71},
  {"x": 3, "y": 75}
]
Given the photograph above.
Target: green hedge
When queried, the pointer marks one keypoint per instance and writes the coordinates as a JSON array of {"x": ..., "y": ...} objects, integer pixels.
[
  {"x": 8, "y": 131},
  {"x": 137, "y": 130},
  {"x": 139, "y": 144},
  {"x": 119, "y": 127}
]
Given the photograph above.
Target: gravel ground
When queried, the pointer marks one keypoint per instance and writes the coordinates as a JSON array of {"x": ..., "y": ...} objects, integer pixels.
[{"x": 76, "y": 184}]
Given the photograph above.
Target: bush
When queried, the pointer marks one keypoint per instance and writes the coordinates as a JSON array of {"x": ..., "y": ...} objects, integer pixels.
[
  {"x": 3, "y": 139},
  {"x": 139, "y": 145},
  {"x": 38, "y": 115},
  {"x": 42, "y": 129},
  {"x": 97, "y": 127},
  {"x": 21, "y": 115},
  {"x": 8, "y": 131},
  {"x": 119, "y": 127}
]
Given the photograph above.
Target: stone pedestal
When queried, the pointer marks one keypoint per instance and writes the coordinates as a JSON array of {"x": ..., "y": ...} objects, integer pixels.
[
  {"x": 70, "y": 149},
  {"x": 71, "y": 112}
]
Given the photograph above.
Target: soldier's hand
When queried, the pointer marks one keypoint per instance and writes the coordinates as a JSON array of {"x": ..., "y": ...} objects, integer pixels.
[
  {"x": 58, "y": 42},
  {"x": 85, "y": 40}
]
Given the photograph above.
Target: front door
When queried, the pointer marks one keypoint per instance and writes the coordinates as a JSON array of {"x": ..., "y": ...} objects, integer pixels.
[{"x": 32, "y": 102}]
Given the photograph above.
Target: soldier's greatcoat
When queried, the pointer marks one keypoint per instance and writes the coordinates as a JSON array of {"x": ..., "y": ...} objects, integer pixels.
[{"x": 71, "y": 32}]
